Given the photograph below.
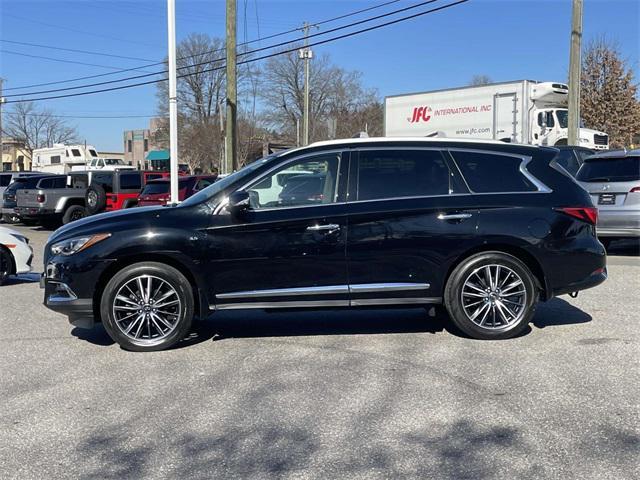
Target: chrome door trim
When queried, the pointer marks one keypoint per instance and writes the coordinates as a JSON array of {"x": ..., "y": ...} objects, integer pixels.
[
  {"x": 386, "y": 287},
  {"x": 454, "y": 216},
  {"x": 325, "y": 290},
  {"x": 363, "y": 302},
  {"x": 293, "y": 304},
  {"x": 282, "y": 292}
]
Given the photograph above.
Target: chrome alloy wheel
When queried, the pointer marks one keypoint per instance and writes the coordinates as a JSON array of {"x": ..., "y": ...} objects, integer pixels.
[
  {"x": 494, "y": 297},
  {"x": 147, "y": 309}
]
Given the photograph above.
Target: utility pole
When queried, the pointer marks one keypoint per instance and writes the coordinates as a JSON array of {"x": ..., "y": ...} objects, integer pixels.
[
  {"x": 1, "y": 102},
  {"x": 173, "y": 102},
  {"x": 306, "y": 54},
  {"x": 231, "y": 141},
  {"x": 574, "y": 74}
]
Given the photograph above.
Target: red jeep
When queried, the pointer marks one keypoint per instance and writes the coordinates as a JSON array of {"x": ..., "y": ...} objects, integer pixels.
[
  {"x": 156, "y": 192},
  {"x": 117, "y": 189}
]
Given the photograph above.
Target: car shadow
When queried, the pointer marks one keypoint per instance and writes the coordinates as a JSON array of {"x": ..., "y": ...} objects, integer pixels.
[
  {"x": 629, "y": 247},
  {"x": 32, "y": 277},
  {"x": 256, "y": 323},
  {"x": 228, "y": 325}
]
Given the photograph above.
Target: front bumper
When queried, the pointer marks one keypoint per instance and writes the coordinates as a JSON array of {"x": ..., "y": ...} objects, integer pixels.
[
  {"x": 69, "y": 285},
  {"x": 60, "y": 298}
]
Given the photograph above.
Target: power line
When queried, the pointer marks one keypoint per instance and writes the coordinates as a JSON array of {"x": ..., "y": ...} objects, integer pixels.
[
  {"x": 75, "y": 62},
  {"x": 320, "y": 42},
  {"x": 83, "y": 116},
  {"x": 211, "y": 61},
  {"x": 87, "y": 52},
  {"x": 259, "y": 39}
]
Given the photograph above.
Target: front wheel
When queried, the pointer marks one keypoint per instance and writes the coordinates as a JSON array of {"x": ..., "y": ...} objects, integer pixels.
[
  {"x": 491, "y": 295},
  {"x": 147, "y": 306},
  {"x": 5, "y": 264}
]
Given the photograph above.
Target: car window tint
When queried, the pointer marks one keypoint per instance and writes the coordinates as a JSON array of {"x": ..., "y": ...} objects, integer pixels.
[
  {"x": 130, "y": 181},
  {"x": 309, "y": 181},
  {"x": 625, "y": 169},
  {"x": 401, "y": 173},
  {"x": 4, "y": 180},
  {"x": 567, "y": 160},
  {"x": 490, "y": 173},
  {"x": 155, "y": 188},
  {"x": 104, "y": 179}
]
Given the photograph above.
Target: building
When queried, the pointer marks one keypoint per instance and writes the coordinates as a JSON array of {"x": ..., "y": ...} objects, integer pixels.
[
  {"x": 15, "y": 156},
  {"x": 138, "y": 143}
]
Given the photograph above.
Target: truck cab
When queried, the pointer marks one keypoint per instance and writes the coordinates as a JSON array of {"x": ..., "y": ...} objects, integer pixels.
[{"x": 550, "y": 119}]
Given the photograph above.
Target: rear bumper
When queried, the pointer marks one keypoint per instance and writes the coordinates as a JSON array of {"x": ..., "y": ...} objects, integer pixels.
[
  {"x": 34, "y": 212},
  {"x": 618, "y": 222},
  {"x": 591, "y": 281}
]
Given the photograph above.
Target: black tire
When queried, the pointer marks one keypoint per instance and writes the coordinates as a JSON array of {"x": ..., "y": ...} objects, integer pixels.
[
  {"x": 10, "y": 218},
  {"x": 73, "y": 213},
  {"x": 95, "y": 198},
  {"x": 6, "y": 264},
  {"x": 467, "y": 276},
  {"x": 180, "y": 321}
]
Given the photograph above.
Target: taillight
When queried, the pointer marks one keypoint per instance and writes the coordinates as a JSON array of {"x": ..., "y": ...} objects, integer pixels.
[
  {"x": 40, "y": 198},
  {"x": 635, "y": 190},
  {"x": 588, "y": 214}
]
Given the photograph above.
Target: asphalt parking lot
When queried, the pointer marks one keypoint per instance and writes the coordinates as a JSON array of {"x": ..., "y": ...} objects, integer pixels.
[{"x": 365, "y": 394}]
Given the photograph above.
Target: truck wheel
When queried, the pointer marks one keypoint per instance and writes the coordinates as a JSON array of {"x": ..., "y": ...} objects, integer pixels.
[
  {"x": 11, "y": 218},
  {"x": 147, "y": 306},
  {"x": 73, "y": 213},
  {"x": 96, "y": 198}
]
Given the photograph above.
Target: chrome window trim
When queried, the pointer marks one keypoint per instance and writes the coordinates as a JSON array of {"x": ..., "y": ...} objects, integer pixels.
[
  {"x": 221, "y": 206},
  {"x": 387, "y": 287},
  {"x": 524, "y": 161},
  {"x": 281, "y": 292}
]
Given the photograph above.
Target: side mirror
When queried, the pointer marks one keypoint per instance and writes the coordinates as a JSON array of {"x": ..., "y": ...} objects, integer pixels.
[{"x": 239, "y": 202}]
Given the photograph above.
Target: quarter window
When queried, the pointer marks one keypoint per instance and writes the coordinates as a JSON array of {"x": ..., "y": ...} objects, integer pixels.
[
  {"x": 402, "y": 173},
  {"x": 492, "y": 173},
  {"x": 130, "y": 181},
  {"x": 309, "y": 181},
  {"x": 76, "y": 152}
]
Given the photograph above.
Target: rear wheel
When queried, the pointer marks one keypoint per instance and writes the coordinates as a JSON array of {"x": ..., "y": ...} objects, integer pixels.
[
  {"x": 11, "y": 218},
  {"x": 95, "y": 199},
  {"x": 147, "y": 306},
  {"x": 73, "y": 213},
  {"x": 491, "y": 295}
]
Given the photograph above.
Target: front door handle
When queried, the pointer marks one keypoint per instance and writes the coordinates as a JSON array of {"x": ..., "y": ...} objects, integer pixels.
[
  {"x": 454, "y": 216},
  {"x": 330, "y": 227}
]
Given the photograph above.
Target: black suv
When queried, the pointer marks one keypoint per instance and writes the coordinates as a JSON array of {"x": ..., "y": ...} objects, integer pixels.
[{"x": 486, "y": 228}]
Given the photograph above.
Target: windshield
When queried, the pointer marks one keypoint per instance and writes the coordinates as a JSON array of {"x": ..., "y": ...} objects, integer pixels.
[
  {"x": 625, "y": 169},
  {"x": 223, "y": 183},
  {"x": 113, "y": 161},
  {"x": 563, "y": 118}
]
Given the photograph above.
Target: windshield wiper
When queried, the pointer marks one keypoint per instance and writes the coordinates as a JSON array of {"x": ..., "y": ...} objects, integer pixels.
[{"x": 599, "y": 179}]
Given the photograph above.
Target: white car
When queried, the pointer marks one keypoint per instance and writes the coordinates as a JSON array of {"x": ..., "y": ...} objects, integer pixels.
[{"x": 15, "y": 253}]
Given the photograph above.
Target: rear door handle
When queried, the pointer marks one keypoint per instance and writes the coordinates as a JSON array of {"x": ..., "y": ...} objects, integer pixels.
[
  {"x": 330, "y": 227},
  {"x": 454, "y": 216}
]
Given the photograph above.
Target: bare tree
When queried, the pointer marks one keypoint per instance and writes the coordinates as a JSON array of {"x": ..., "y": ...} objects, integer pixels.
[
  {"x": 37, "y": 128},
  {"x": 608, "y": 93},
  {"x": 336, "y": 96},
  {"x": 480, "y": 80}
]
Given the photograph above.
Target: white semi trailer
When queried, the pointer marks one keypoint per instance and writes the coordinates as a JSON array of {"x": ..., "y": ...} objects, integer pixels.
[{"x": 523, "y": 111}]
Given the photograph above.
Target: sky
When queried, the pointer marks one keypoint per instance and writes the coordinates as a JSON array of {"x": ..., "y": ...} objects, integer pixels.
[{"x": 504, "y": 39}]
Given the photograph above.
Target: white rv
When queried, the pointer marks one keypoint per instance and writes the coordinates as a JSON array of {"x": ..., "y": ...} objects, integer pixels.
[
  {"x": 61, "y": 158},
  {"x": 523, "y": 111}
]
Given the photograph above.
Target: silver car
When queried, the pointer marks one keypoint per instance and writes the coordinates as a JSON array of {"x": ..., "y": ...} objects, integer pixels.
[{"x": 613, "y": 180}]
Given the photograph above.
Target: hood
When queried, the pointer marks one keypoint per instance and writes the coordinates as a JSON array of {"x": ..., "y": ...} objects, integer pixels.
[
  {"x": 10, "y": 231},
  {"x": 103, "y": 221},
  {"x": 591, "y": 131}
]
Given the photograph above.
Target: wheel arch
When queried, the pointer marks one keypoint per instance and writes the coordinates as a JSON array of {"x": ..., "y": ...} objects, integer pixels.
[
  {"x": 200, "y": 303},
  {"x": 520, "y": 253}
]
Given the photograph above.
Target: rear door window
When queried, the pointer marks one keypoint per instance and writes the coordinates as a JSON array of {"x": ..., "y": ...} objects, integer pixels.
[
  {"x": 626, "y": 169},
  {"x": 130, "y": 181},
  {"x": 391, "y": 173},
  {"x": 487, "y": 172}
]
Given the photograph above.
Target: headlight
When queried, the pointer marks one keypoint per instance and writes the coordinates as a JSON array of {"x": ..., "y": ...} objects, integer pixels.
[{"x": 77, "y": 244}]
